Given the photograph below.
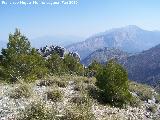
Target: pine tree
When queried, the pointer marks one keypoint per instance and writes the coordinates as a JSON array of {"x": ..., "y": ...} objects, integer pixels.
[
  {"x": 94, "y": 68},
  {"x": 72, "y": 65},
  {"x": 113, "y": 81},
  {"x": 55, "y": 64},
  {"x": 20, "y": 60}
]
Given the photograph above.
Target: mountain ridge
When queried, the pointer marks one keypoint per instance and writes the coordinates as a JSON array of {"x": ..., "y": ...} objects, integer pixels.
[
  {"x": 103, "y": 55},
  {"x": 130, "y": 39},
  {"x": 145, "y": 66}
]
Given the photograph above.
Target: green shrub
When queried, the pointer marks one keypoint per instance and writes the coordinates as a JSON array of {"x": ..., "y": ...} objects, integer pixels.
[
  {"x": 60, "y": 83},
  {"x": 21, "y": 91},
  {"x": 93, "y": 91},
  {"x": 55, "y": 64},
  {"x": 96, "y": 93},
  {"x": 54, "y": 95},
  {"x": 113, "y": 81},
  {"x": 94, "y": 68},
  {"x": 157, "y": 97},
  {"x": 79, "y": 86},
  {"x": 79, "y": 100},
  {"x": 1, "y": 72},
  {"x": 135, "y": 102},
  {"x": 72, "y": 65}
]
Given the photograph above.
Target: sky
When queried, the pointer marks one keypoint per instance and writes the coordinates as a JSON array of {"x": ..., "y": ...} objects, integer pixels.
[{"x": 86, "y": 18}]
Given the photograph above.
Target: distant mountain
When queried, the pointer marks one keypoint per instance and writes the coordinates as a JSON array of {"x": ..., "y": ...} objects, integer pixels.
[
  {"x": 144, "y": 67},
  {"x": 131, "y": 39},
  {"x": 55, "y": 40},
  {"x": 49, "y": 40},
  {"x": 103, "y": 55}
]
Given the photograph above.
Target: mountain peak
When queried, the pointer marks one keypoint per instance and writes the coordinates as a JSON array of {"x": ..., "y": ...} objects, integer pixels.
[
  {"x": 128, "y": 28},
  {"x": 132, "y": 26}
]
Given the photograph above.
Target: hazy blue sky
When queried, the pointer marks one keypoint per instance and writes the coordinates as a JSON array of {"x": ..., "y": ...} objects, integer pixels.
[{"x": 84, "y": 19}]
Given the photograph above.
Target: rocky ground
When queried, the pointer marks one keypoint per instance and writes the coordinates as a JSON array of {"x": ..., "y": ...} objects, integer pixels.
[{"x": 11, "y": 106}]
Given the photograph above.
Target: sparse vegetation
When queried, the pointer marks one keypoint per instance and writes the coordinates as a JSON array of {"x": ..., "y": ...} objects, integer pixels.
[
  {"x": 152, "y": 108},
  {"x": 61, "y": 83},
  {"x": 79, "y": 100},
  {"x": 54, "y": 95},
  {"x": 37, "y": 111},
  {"x": 77, "y": 87},
  {"x": 66, "y": 103},
  {"x": 135, "y": 102},
  {"x": 143, "y": 91},
  {"x": 46, "y": 82},
  {"x": 22, "y": 90},
  {"x": 79, "y": 113}
]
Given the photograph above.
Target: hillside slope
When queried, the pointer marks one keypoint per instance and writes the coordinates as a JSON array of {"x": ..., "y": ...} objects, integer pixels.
[
  {"x": 103, "y": 55},
  {"x": 67, "y": 98},
  {"x": 144, "y": 67}
]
